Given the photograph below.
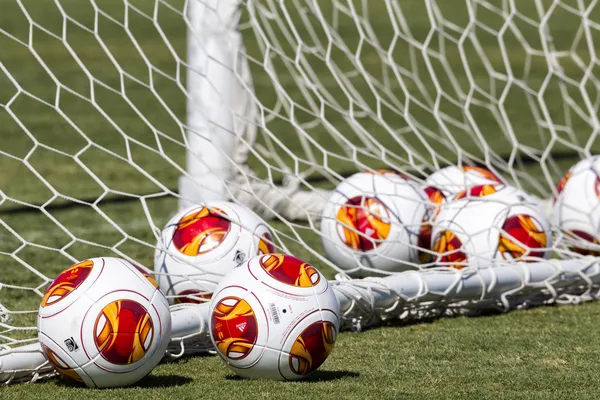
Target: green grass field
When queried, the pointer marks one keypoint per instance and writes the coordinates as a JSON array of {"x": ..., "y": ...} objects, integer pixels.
[{"x": 101, "y": 183}]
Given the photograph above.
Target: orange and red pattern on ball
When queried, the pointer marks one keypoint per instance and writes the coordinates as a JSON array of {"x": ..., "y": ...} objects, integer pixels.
[
  {"x": 448, "y": 247},
  {"x": 193, "y": 296},
  {"x": 67, "y": 282},
  {"x": 123, "y": 332},
  {"x": 312, "y": 347},
  {"x": 146, "y": 275},
  {"x": 290, "y": 270},
  {"x": 562, "y": 183},
  {"x": 436, "y": 198},
  {"x": 383, "y": 171},
  {"x": 435, "y": 195},
  {"x": 364, "y": 223},
  {"x": 265, "y": 244},
  {"x": 60, "y": 365},
  {"x": 477, "y": 191},
  {"x": 424, "y": 241},
  {"x": 522, "y": 235},
  {"x": 234, "y": 327},
  {"x": 200, "y": 232},
  {"x": 581, "y": 238},
  {"x": 484, "y": 172}
]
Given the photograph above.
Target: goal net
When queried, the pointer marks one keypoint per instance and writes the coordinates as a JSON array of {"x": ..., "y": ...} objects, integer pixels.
[{"x": 115, "y": 113}]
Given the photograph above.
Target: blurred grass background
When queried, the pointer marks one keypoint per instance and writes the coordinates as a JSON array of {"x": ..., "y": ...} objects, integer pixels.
[{"x": 84, "y": 173}]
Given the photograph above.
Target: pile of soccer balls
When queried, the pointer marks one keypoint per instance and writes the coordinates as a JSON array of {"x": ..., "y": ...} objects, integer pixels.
[
  {"x": 106, "y": 322},
  {"x": 380, "y": 222}
]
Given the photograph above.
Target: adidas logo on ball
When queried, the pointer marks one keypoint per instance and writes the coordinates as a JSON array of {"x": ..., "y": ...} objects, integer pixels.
[{"x": 241, "y": 326}]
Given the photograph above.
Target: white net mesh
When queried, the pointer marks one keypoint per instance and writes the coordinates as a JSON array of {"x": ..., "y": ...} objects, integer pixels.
[{"x": 95, "y": 135}]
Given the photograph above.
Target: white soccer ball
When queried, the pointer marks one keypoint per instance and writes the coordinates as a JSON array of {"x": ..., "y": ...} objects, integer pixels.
[
  {"x": 453, "y": 179},
  {"x": 104, "y": 322},
  {"x": 275, "y": 317},
  {"x": 576, "y": 209},
  {"x": 498, "y": 192},
  {"x": 490, "y": 223},
  {"x": 201, "y": 244},
  {"x": 371, "y": 223}
]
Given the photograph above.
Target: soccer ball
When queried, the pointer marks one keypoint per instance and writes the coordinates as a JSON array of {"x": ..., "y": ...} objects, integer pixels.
[
  {"x": 203, "y": 243},
  {"x": 453, "y": 179},
  {"x": 497, "y": 192},
  {"x": 372, "y": 220},
  {"x": 490, "y": 223},
  {"x": 275, "y": 317},
  {"x": 576, "y": 209},
  {"x": 104, "y": 322}
]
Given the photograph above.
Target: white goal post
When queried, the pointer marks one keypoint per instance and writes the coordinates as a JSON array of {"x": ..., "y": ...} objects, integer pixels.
[
  {"x": 223, "y": 118},
  {"x": 214, "y": 65},
  {"x": 275, "y": 103}
]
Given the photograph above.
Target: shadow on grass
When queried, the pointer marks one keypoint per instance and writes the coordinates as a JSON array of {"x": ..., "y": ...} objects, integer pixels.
[
  {"x": 489, "y": 312},
  {"x": 187, "y": 357},
  {"x": 158, "y": 381},
  {"x": 317, "y": 376},
  {"x": 481, "y": 313},
  {"x": 150, "y": 381}
]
